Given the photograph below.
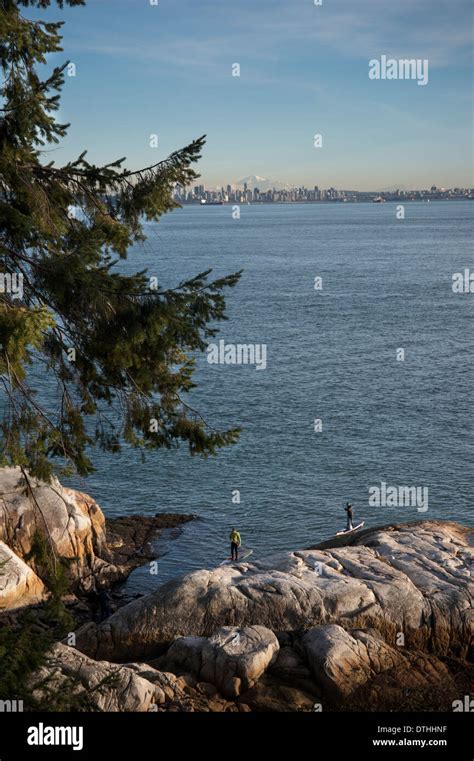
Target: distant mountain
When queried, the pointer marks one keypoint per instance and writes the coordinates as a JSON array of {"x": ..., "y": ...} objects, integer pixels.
[
  {"x": 254, "y": 181},
  {"x": 393, "y": 188}
]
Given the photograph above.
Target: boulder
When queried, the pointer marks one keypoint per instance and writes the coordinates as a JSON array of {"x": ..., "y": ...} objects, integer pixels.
[
  {"x": 19, "y": 584},
  {"x": 70, "y": 520},
  {"x": 184, "y": 656},
  {"x": 412, "y": 579},
  {"x": 232, "y": 659},
  {"x": 100, "y": 685},
  {"x": 78, "y": 682},
  {"x": 342, "y": 662}
]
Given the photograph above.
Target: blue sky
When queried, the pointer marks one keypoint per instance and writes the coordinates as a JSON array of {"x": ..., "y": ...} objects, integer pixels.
[{"x": 166, "y": 70}]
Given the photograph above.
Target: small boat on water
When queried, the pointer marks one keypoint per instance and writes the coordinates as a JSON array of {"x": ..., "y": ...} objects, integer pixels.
[{"x": 378, "y": 199}]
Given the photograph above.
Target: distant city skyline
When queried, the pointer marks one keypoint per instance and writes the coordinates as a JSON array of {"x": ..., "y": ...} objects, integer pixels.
[
  {"x": 166, "y": 70},
  {"x": 250, "y": 192}
]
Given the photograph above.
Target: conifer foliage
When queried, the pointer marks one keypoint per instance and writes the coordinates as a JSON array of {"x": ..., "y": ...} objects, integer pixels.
[{"x": 110, "y": 340}]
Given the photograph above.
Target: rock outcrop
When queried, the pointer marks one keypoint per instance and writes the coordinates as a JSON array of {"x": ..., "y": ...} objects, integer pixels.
[
  {"x": 83, "y": 683},
  {"x": 381, "y": 620},
  {"x": 232, "y": 659},
  {"x": 342, "y": 661},
  {"x": 130, "y": 537},
  {"x": 74, "y": 527},
  {"x": 71, "y": 522},
  {"x": 97, "y": 684},
  {"x": 407, "y": 582},
  {"x": 19, "y": 584}
]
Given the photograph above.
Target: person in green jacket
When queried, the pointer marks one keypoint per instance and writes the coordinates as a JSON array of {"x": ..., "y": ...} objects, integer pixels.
[{"x": 235, "y": 542}]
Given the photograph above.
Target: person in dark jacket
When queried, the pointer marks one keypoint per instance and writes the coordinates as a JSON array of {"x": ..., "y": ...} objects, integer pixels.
[
  {"x": 350, "y": 515},
  {"x": 105, "y": 604}
]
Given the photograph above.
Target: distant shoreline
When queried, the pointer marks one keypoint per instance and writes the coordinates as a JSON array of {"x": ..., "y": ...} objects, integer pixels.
[{"x": 329, "y": 201}]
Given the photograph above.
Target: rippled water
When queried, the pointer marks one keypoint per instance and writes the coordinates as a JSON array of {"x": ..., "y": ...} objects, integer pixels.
[{"x": 387, "y": 284}]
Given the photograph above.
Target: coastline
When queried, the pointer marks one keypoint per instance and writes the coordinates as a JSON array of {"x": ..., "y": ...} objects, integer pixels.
[{"x": 377, "y": 620}]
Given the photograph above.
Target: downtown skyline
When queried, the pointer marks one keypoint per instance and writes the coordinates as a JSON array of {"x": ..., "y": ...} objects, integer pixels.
[{"x": 251, "y": 193}]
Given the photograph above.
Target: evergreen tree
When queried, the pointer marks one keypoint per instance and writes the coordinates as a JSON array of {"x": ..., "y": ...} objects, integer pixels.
[{"x": 109, "y": 340}]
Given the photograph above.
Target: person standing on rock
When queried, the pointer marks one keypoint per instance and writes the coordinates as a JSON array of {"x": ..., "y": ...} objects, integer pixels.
[
  {"x": 348, "y": 509},
  {"x": 235, "y": 542}
]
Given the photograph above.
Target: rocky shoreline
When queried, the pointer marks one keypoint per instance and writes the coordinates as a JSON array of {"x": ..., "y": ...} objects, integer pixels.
[
  {"x": 130, "y": 538},
  {"x": 380, "y": 620},
  {"x": 100, "y": 552}
]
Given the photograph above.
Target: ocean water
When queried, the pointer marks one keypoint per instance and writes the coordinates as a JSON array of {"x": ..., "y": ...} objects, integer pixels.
[{"x": 331, "y": 355}]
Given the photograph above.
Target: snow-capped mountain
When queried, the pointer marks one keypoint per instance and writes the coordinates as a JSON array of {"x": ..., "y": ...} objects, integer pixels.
[{"x": 254, "y": 181}]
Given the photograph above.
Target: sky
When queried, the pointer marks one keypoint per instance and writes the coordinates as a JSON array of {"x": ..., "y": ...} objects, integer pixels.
[{"x": 166, "y": 70}]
